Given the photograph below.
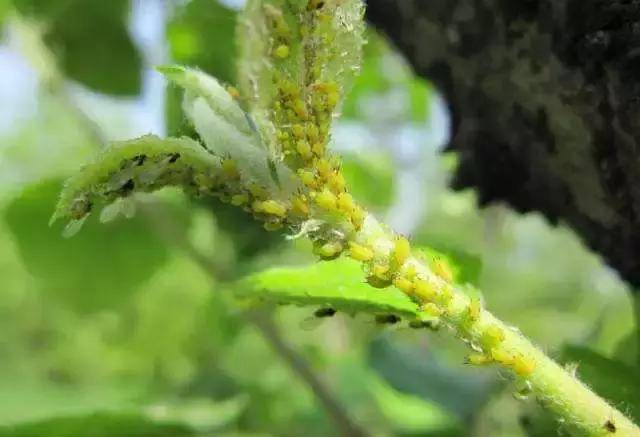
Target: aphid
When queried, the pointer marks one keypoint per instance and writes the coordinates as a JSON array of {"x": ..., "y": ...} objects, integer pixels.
[
  {"x": 326, "y": 200},
  {"x": 173, "y": 157},
  {"x": 492, "y": 336},
  {"x": 233, "y": 92},
  {"x": 304, "y": 149},
  {"x": 230, "y": 169},
  {"x": 239, "y": 199},
  {"x": 424, "y": 290},
  {"x": 387, "y": 319},
  {"x": 432, "y": 309},
  {"x": 441, "y": 268},
  {"x": 272, "y": 226},
  {"x": 473, "y": 310},
  {"x": 357, "y": 217},
  {"x": 80, "y": 207},
  {"x": 299, "y": 206},
  {"x": 318, "y": 316},
  {"x": 315, "y": 4},
  {"x": 401, "y": 251},
  {"x": 282, "y": 51},
  {"x": 502, "y": 356},
  {"x": 318, "y": 148},
  {"x": 433, "y": 325},
  {"x": 257, "y": 190},
  {"x": 360, "y": 252},
  {"x": 378, "y": 278},
  {"x": 271, "y": 207},
  {"x": 323, "y": 166},
  {"x": 403, "y": 284},
  {"x": 345, "y": 202},
  {"x": 523, "y": 366},
  {"x": 478, "y": 359},
  {"x": 307, "y": 177},
  {"x": 381, "y": 271},
  {"x": 328, "y": 251},
  {"x": 609, "y": 426},
  {"x": 336, "y": 182},
  {"x": 139, "y": 159}
]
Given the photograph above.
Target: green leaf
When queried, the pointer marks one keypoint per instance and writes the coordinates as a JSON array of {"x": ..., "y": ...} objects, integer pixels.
[
  {"x": 145, "y": 164},
  {"x": 228, "y": 131},
  {"x": 201, "y": 34},
  {"x": 462, "y": 392},
  {"x": 337, "y": 284},
  {"x": 91, "y": 41},
  {"x": 97, "y": 425},
  {"x": 96, "y": 270},
  {"x": 613, "y": 380}
]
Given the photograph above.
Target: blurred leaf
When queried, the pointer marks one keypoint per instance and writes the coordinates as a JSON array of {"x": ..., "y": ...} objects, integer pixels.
[
  {"x": 91, "y": 40},
  {"x": 370, "y": 180},
  {"x": 337, "y": 284},
  {"x": 97, "y": 269},
  {"x": 201, "y": 34},
  {"x": 97, "y": 425},
  {"x": 627, "y": 350},
  {"x": 611, "y": 379},
  {"x": 462, "y": 392}
]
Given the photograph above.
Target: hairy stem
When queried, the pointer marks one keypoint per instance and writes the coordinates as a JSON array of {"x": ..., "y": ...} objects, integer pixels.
[{"x": 556, "y": 388}]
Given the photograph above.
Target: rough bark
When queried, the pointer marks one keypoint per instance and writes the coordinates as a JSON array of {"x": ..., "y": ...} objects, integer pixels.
[{"x": 545, "y": 101}]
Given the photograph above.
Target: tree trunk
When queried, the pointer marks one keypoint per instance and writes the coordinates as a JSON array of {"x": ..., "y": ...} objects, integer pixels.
[{"x": 545, "y": 106}]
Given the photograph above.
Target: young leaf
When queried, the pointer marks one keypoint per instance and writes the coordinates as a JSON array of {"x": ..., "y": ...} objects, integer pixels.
[
  {"x": 144, "y": 164},
  {"x": 228, "y": 131},
  {"x": 289, "y": 51},
  {"x": 337, "y": 284}
]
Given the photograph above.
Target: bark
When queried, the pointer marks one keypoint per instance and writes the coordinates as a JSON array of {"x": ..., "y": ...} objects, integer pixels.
[{"x": 545, "y": 104}]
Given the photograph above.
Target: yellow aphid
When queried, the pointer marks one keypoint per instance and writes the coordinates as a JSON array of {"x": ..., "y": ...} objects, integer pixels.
[
  {"x": 473, "y": 310},
  {"x": 299, "y": 206},
  {"x": 337, "y": 183},
  {"x": 326, "y": 87},
  {"x": 479, "y": 359},
  {"x": 240, "y": 199},
  {"x": 401, "y": 250},
  {"x": 329, "y": 250},
  {"x": 318, "y": 148},
  {"x": 272, "y": 207},
  {"x": 304, "y": 149},
  {"x": 345, "y": 202},
  {"x": 230, "y": 169},
  {"x": 403, "y": 284},
  {"x": 300, "y": 109},
  {"x": 432, "y": 309},
  {"x": 307, "y": 177},
  {"x": 298, "y": 130},
  {"x": 288, "y": 88},
  {"x": 282, "y": 135},
  {"x": 282, "y": 51},
  {"x": 380, "y": 271},
  {"x": 333, "y": 98},
  {"x": 324, "y": 167},
  {"x": 327, "y": 200},
  {"x": 272, "y": 226},
  {"x": 258, "y": 190},
  {"x": 502, "y": 356},
  {"x": 424, "y": 290},
  {"x": 312, "y": 132},
  {"x": 441, "y": 268},
  {"x": 410, "y": 272},
  {"x": 233, "y": 92},
  {"x": 360, "y": 252},
  {"x": 523, "y": 366},
  {"x": 357, "y": 217},
  {"x": 493, "y": 336}
]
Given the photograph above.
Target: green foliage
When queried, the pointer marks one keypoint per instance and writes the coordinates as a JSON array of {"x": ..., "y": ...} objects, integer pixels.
[
  {"x": 337, "y": 284},
  {"x": 107, "y": 60},
  {"x": 462, "y": 392},
  {"x": 97, "y": 425},
  {"x": 96, "y": 270}
]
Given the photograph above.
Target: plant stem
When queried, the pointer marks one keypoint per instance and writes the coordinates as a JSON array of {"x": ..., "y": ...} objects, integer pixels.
[
  {"x": 300, "y": 367},
  {"x": 557, "y": 389}
]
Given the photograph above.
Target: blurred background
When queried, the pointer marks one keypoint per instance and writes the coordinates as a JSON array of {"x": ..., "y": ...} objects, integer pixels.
[{"x": 127, "y": 329}]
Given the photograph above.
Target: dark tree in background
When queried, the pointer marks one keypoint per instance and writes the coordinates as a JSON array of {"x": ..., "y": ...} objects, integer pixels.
[{"x": 545, "y": 101}]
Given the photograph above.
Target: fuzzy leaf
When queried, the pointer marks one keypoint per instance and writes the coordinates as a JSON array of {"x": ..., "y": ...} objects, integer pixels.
[
  {"x": 145, "y": 164},
  {"x": 228, "y": 131},
  {"x": 303, "y": 42},
  {"x": 337, "y": 284}
]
